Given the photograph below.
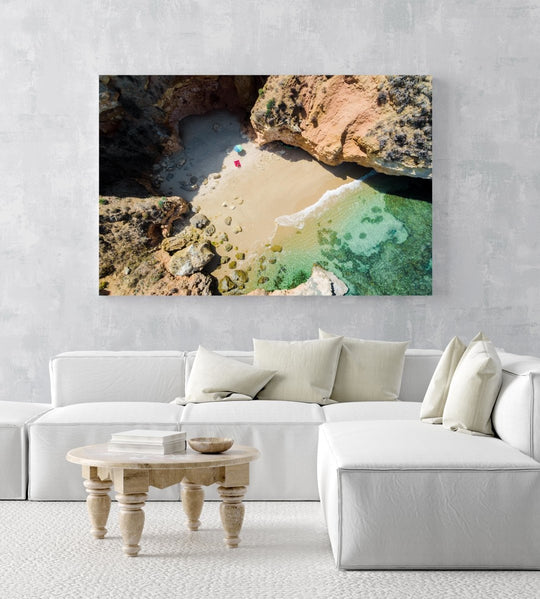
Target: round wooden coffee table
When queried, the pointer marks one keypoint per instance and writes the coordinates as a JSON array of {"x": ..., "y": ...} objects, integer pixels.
[{"x": 132, "y": 474}]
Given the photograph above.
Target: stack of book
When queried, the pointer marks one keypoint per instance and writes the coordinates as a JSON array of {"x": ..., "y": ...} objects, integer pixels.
[{"x": 149, "y": 442}]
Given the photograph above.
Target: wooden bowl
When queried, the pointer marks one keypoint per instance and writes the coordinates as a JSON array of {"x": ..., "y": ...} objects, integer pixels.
[{"x": 210, "y": 444}]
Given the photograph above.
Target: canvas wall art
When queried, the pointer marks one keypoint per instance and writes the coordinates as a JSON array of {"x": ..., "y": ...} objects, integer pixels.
[{"x": 265, "y": 185}]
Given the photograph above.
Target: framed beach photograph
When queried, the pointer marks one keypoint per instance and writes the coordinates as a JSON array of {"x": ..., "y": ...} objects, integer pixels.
[{"x": 265, "y": 185}]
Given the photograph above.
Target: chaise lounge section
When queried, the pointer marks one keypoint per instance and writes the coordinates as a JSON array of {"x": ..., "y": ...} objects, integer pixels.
[
  {"x": 400, "y": 494},
  {"x": 403, "y": 494}
]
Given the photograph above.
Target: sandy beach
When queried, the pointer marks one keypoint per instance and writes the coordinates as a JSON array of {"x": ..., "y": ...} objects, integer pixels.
[{"x": 244, "y": 202}]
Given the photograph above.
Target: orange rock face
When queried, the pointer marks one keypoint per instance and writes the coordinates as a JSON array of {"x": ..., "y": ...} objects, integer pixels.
[{"x": 383, "y": 122}]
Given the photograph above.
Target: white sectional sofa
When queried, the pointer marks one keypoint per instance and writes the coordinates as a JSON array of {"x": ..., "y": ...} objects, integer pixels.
[{"x": 396, "y": 492}]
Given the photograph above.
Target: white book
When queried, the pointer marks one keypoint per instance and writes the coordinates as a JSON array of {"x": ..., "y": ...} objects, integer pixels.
[
  {"x": 179, "y": 447},
  {"x": 149, "y": 437}
]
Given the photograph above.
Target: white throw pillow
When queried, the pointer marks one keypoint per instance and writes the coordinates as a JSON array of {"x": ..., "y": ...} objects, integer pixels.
[
  {"x": 368, "y": 370},
  {"x": 216, "y": 378},
  {"x": 435, "y": 398},
  {"x": 474, "y": 389},
  {"x": 305, "y": 369}
]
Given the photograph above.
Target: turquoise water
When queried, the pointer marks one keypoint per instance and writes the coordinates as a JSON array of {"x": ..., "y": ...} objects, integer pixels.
[{"x": 375, "y": 235}]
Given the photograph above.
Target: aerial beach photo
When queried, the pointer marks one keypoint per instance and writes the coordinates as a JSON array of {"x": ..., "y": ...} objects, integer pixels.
[{"x": 256, "y": 185}]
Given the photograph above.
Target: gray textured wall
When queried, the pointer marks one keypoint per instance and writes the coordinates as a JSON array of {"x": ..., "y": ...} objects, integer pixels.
[{"x": 484, "y": 56}]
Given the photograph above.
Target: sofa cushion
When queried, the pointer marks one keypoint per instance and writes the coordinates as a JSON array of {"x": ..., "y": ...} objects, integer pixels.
[
  {"x": 305, "y": 369},
  {"x": 474, "y": 389},
  {"x": 410, "y": 445},
  {"x": 368, "y": 370},
  {"x": 437, "y": 391},
  {"x": 98, "y": 376},
  {"x": 215, "y": 377},
  {"x": 372, "y": 410},
  {"x": 52, "y": 435},
  {"x": 18, "y": 413},
  {"x": 113, "y": 413},
  {"x": 241, "y": 356},
  {"x": 418, "y": 369},
  {"x": 257, "y": 411},
  {"x": 285, "y": 433},
  {"x": 14, "y": 417}
]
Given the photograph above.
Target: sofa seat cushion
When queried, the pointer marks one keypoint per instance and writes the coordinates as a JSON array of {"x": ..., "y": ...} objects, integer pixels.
[
  {"x": 372, "y": 410},
  {"x": 119, "y": 412},
  {"x": 256, "y": 411},
  {"x": 411, "y": 444},
  {"x": 56, "y": 432},
  {"x": 15, "y": 413},
  {"x": 285, "y": 432},
  {"x": 405, "y": 494},
  {"x": 14, "y": 416}
]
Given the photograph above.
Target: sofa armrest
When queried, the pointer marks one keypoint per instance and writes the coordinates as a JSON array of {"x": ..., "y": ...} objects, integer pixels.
[{"x": 516, "y": 415}]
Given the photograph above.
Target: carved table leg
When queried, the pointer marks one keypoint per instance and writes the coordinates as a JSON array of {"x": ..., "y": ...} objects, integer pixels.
[
  {"x": 192, "y": 502},
  {"x": 232, "y": 513},
  {"x": 131, "y": 521},
  {"x": 98, "y": 504}
]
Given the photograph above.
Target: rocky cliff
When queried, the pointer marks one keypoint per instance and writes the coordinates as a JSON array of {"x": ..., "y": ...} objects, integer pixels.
[
  {"x": 383, "y": 122},
  {"x": 132, "y": 233}
]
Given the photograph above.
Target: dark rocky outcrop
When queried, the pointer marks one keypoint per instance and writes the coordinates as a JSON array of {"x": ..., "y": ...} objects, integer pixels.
[{"x": 139, "y": 117}]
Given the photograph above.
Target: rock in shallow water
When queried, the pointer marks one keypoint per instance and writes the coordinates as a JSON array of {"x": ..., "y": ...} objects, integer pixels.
[{"x": 321, "y": 282}]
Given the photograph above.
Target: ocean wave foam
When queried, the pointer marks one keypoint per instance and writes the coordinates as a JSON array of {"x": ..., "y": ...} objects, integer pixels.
[{"x": 299, "y": 218}]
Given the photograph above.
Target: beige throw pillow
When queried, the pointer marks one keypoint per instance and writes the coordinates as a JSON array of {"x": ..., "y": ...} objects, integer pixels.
[
  {"x": 474, "y": 389},
  {"x": 437, "y": 391},
  {"x": 216, "y": 378},
  {"x": 305, "y": 369},
  {"x": 368, "y": 370}
]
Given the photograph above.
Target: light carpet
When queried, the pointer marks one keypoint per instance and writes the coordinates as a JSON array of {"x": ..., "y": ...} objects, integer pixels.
[{"x": 46, "y": 551}]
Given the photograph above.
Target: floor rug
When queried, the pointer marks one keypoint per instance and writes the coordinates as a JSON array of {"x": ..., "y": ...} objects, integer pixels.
[{"x": 46, "y": 551}]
